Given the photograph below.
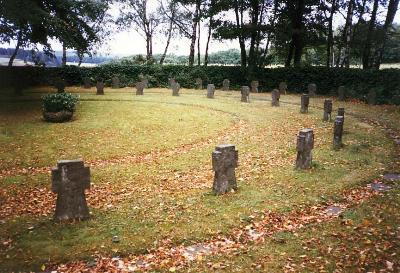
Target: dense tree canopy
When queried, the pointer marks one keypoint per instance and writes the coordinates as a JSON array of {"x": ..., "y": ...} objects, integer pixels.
[{"x": 336, "y": 33}]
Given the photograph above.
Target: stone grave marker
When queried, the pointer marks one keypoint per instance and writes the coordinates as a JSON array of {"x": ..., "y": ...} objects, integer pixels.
[
  {"x": 305, "y": 101},
  {"x": 171, "y": 82},
  {"x": 254, "y": 86},
  {"x": 338, "y": 132},
  {"x": 210, "y": 91},
  {"x": 226, "y": 85},
  {"x": 245, "y": 92},
  {"x": 100, "y": 88},
  {"x": 333, "y": 210},
  {"x": 60, "y": 84},
  {"x": 341, "y": 93},
  {"x": 139, "y": 88},
  {"x": 282, "y": 88},
  {"x": 312, "y": 89},
  {"x": 371, "y": 97},
  {"x": 115, "y": 82},
  {"x": 327, "y": 110},
  {"x": 305, "y": 144},
  {"x": 340, "y": 112},
  {"x": 175, "y": 89},
  {"x": 19, "y": 87},
  {"x": 69, "y": 180},
  {"x": 199, "y": 83},
  {"x": 144, "y": 80},
  {"x": 87, "y": 83},
  {"x": 224, "y": 162},
  {"x": 392, "y": 176},
  {"x": 275, "y": 95},
  {"x": 379, "y": 186}
]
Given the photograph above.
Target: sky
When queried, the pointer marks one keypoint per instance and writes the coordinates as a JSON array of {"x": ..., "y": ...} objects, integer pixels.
[{"x": 129, "y": 42}]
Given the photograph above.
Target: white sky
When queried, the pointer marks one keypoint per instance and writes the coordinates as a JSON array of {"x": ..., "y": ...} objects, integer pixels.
[{"x": 129, "y": 42}]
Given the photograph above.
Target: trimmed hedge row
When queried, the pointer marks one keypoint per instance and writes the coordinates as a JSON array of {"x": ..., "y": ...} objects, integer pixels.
[{"x": 358, "y": 82}]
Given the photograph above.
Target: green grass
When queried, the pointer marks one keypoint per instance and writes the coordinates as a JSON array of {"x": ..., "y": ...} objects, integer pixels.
[
  {"x": 169, "y": 193},
  {"x": 365, "y": 238}
]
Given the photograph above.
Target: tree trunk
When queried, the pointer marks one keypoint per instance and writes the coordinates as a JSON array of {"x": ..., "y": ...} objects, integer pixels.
[
  {"x": 239, "y": 26},
  {"x": 290, "y": 55},
  {"x": 296, "y": 9},
  {"x": 368, "y": 41},
  {"x": 14, "y": 55},
  {"x": 168, "y": 42},
  {"x": 347, "y": 35},
  {"x": 150, "y": 46},
  {"x": 298, "y": 33},
  {"x": 391, "y": 13},
  {"x": 254, "y": 34},
  {"x": 208, "y": 42},
  {"x": 64, "y": 55},
  {"x": 147, "y": 47},
  {"x": 193, "y": 35},
  {"x": 198, "y": 44},
  {"x": 266, "y": 49},
  {"x": 330, "y": 36},
  {"x": 265, "y": 53},
  {"x": 355, "y": 28}
]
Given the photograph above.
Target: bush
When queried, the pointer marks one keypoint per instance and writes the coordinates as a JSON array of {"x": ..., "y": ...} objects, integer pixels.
[{"x": 59, "y": 102}]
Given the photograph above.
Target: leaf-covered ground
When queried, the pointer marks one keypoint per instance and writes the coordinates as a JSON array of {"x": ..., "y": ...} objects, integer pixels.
[{"x": 151, "y": 178}]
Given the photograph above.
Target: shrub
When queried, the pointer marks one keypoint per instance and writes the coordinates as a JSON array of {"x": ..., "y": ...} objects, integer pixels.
[{"x": 59, "y": 102}]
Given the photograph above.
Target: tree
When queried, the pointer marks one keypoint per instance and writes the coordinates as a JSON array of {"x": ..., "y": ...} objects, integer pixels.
[
  {"x": 366, "y": 60},
  {"x": 186, "y": 19},
  {"x": 136, "y": 13},
  {"x": 383, "y": 33},
  {"x": 168, "y": 13},
  {"x": 346, "y": 36},
  {"x": 79, "y": 25},
  {"x": 209, "y": 12},
  {"x": 329, "y": 46},
  {"x": 251, "y": 23},
  {"x": 22, "y": 21},
  {"x": 296, "y": 12},
  {"x": 391, "y": 53},
  {"x": 34, "y": 22}
]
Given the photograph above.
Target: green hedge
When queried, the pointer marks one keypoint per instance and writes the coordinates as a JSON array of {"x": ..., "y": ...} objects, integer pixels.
[{"x": 358, "y": 82}]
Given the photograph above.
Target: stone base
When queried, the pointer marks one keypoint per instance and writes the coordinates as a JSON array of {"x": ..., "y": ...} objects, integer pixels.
[{"x": 62, "y": 116}]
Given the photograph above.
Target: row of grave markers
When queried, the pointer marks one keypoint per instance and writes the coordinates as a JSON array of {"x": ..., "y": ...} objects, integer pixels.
[
  {"x": 245, "y": 90},
  {"x": 60, "y": 84},
  {"x": 70, "y": 178}
]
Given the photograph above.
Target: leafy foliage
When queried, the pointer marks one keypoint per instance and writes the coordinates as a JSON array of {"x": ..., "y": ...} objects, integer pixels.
[{"x": 59, "y": 102}]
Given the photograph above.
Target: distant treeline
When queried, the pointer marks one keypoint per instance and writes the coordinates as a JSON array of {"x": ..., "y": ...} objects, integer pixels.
[{"x": 226, "y": 57}]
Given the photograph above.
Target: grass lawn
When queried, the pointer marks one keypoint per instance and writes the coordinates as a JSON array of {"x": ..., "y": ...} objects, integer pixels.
[{"x": 150, "y": 159}]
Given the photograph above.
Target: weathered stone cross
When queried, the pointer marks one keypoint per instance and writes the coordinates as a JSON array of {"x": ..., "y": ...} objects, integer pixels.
[
  {"x": 224, "y": 162},
  {"x": 69, "y": 180}
]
